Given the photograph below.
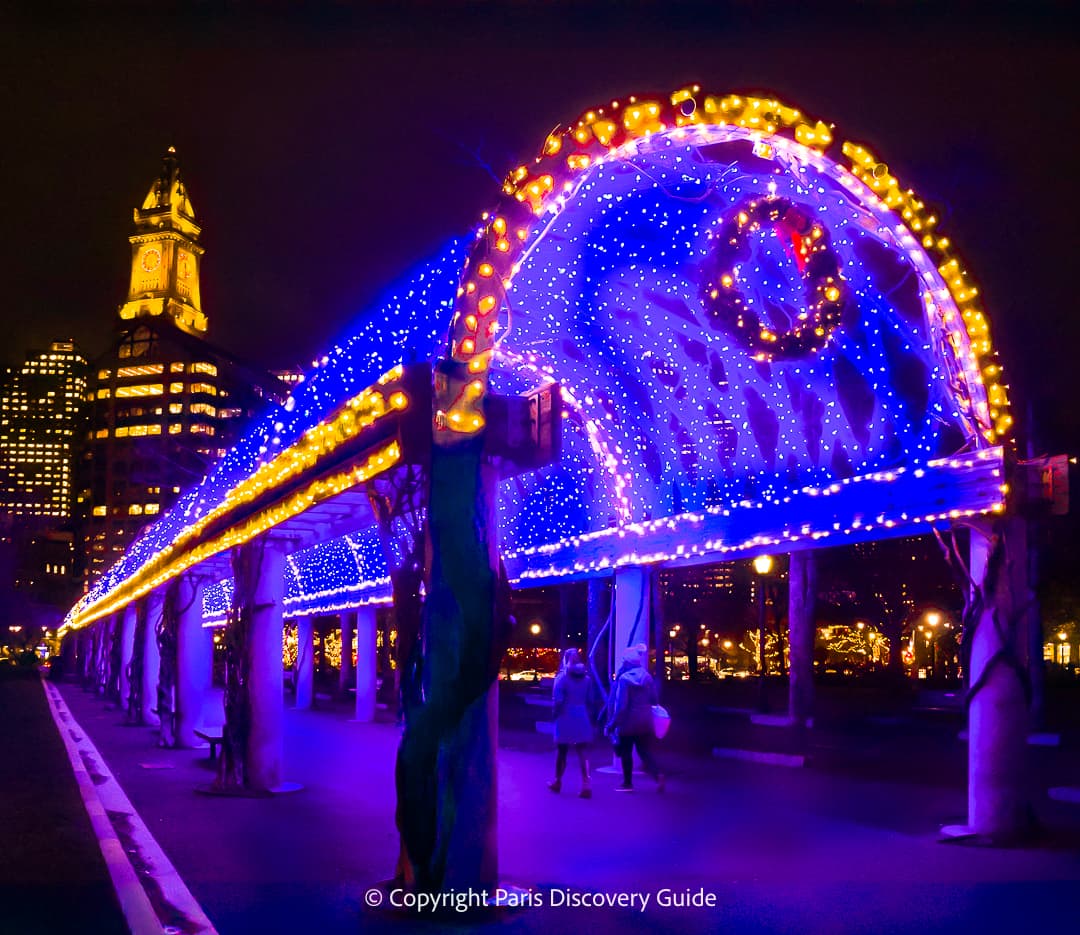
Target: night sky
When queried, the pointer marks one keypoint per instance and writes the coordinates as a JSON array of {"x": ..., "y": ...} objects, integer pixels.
[{"x": 325, "y": 152}]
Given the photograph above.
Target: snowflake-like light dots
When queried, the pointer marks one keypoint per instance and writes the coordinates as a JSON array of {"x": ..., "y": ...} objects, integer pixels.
[
  {"x": 603, "y": 296},
  {"x": 622, "y": 132},
  {"x": 590, "y": 272},
  {"x": 405, "y": 325},
  {"x": 610, "y": 304},
  {"x": 600, "y": 468},
  {"x": 346, "y": 572},
  {"x": 904, "y": 501}
]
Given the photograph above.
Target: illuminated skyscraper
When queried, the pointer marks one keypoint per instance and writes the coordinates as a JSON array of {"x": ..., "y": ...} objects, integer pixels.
[
  {"x": 165, "y": 403},
  {"x": 40, "y": 426}
]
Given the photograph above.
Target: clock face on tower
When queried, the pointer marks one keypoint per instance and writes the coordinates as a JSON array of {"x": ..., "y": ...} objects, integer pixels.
[
  {"x": 151, "y": 259},
  {"x": 183, "y": 264}
]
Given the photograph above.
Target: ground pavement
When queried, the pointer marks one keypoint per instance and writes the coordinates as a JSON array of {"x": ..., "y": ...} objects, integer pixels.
[
  {"x": 825, "y": 849},
  {"x": 52, "y": 875}
]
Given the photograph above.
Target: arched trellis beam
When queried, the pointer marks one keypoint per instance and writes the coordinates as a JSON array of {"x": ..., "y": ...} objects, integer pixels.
[{"x": 533, "y": 195}]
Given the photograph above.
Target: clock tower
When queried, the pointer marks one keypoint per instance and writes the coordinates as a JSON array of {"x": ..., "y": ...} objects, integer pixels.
[{"x": 165, "y": 255}]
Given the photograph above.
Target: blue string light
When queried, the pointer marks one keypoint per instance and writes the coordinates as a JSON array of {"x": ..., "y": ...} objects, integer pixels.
[{"x": 669, "y": 409}]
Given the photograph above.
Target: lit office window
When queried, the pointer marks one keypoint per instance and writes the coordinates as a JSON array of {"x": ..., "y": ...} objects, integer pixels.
[
  {"x": 145, "y": 370},
  {"x": 143, "y": 389}
]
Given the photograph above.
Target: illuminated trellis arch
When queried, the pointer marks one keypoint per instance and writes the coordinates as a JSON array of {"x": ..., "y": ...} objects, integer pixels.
[
  {"x": 617, "y": 153},
  {"x": 534, "y": 194},
  {"x": 633, "y": 488}
]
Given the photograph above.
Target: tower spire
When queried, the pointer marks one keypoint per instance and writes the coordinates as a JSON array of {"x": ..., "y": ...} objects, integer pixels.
[
  {"x": 166, "y": 253},
  {"x": 167, "y": 194}
]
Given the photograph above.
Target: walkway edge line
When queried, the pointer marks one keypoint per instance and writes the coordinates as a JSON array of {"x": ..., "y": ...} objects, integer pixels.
[{"x": 135, "y": 903}]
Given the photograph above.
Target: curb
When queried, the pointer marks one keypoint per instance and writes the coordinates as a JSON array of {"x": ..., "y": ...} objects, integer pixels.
[
  {"x": 135, "y": 903},
  {"x": 792, "y": 760},
  {"x": 1069, "y": 794}
]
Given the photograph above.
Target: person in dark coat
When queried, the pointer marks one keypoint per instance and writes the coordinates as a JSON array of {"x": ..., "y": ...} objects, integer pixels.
[
  {"x": 573, "y": 726},
  {"x": 630, "y": 723}
]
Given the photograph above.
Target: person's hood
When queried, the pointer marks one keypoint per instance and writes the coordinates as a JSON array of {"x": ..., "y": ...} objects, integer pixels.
[
  {"x": 637, "y": 675},
  {"x": 577, "y": 670}
]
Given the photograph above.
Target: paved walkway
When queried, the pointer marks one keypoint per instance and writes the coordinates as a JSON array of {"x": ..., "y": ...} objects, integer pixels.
[
  {"x": 53, "y": 878},
  {"x": 816, "y": 850}
]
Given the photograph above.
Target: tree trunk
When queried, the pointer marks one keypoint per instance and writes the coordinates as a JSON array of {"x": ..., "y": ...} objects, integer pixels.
[
  {"x": 234, "y": 734},
  {"x": 166, "y": 641},
  {"x": 445, "y": 774},
  {"x": 894, "y": 633}
]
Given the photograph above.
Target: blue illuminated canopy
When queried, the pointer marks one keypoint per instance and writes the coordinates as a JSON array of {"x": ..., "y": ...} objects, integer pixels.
[{"x": 754, "y": 353}]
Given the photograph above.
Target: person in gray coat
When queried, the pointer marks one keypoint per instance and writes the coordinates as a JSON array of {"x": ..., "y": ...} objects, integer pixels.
[
  {"x": 570, "y": 700},
  {"x": 630, "y": 723}
]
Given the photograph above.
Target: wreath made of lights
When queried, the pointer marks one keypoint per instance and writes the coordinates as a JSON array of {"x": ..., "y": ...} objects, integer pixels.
[{"x": 826, "y": 292}]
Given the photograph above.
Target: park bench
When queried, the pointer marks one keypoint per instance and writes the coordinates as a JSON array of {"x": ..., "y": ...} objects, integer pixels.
[{"x": 211, "y": 737}]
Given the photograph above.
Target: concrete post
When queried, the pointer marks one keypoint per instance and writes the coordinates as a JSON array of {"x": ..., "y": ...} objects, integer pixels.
[
  {"x": 364, "y": 622},
  {"x": 629, "y": 626},
  {"x": 112, "y": 685},
  {"x": 127, "y": 650},
  {"x": 631, "y": 612},
  {"x": 802, "y": 593},
  {"x": 194, "y": 661},
  {"x": 151, "y": 658},
  {"x": 101, "y": 654},
  {"x": 105, "y": 654},
  {"x": 345, "y": 672},
  {"x": 69, "y": 655},
  {"x": 598, "y": 640},
  {"x": 85, "y": 649},
  {"x": 112, "y": 658},
  {"x": 998, "y": 805},
  {"x": 86, "y": 655},
  {"x": 305, "y": 661},
  {"x": 265, "y": 743},
  {"x": 658, "y": 637}
]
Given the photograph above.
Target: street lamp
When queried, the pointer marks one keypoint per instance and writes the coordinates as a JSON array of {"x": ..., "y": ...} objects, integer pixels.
[
  {"x": 933, "y": 619},
  {"x": 762, "y": 566}
]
